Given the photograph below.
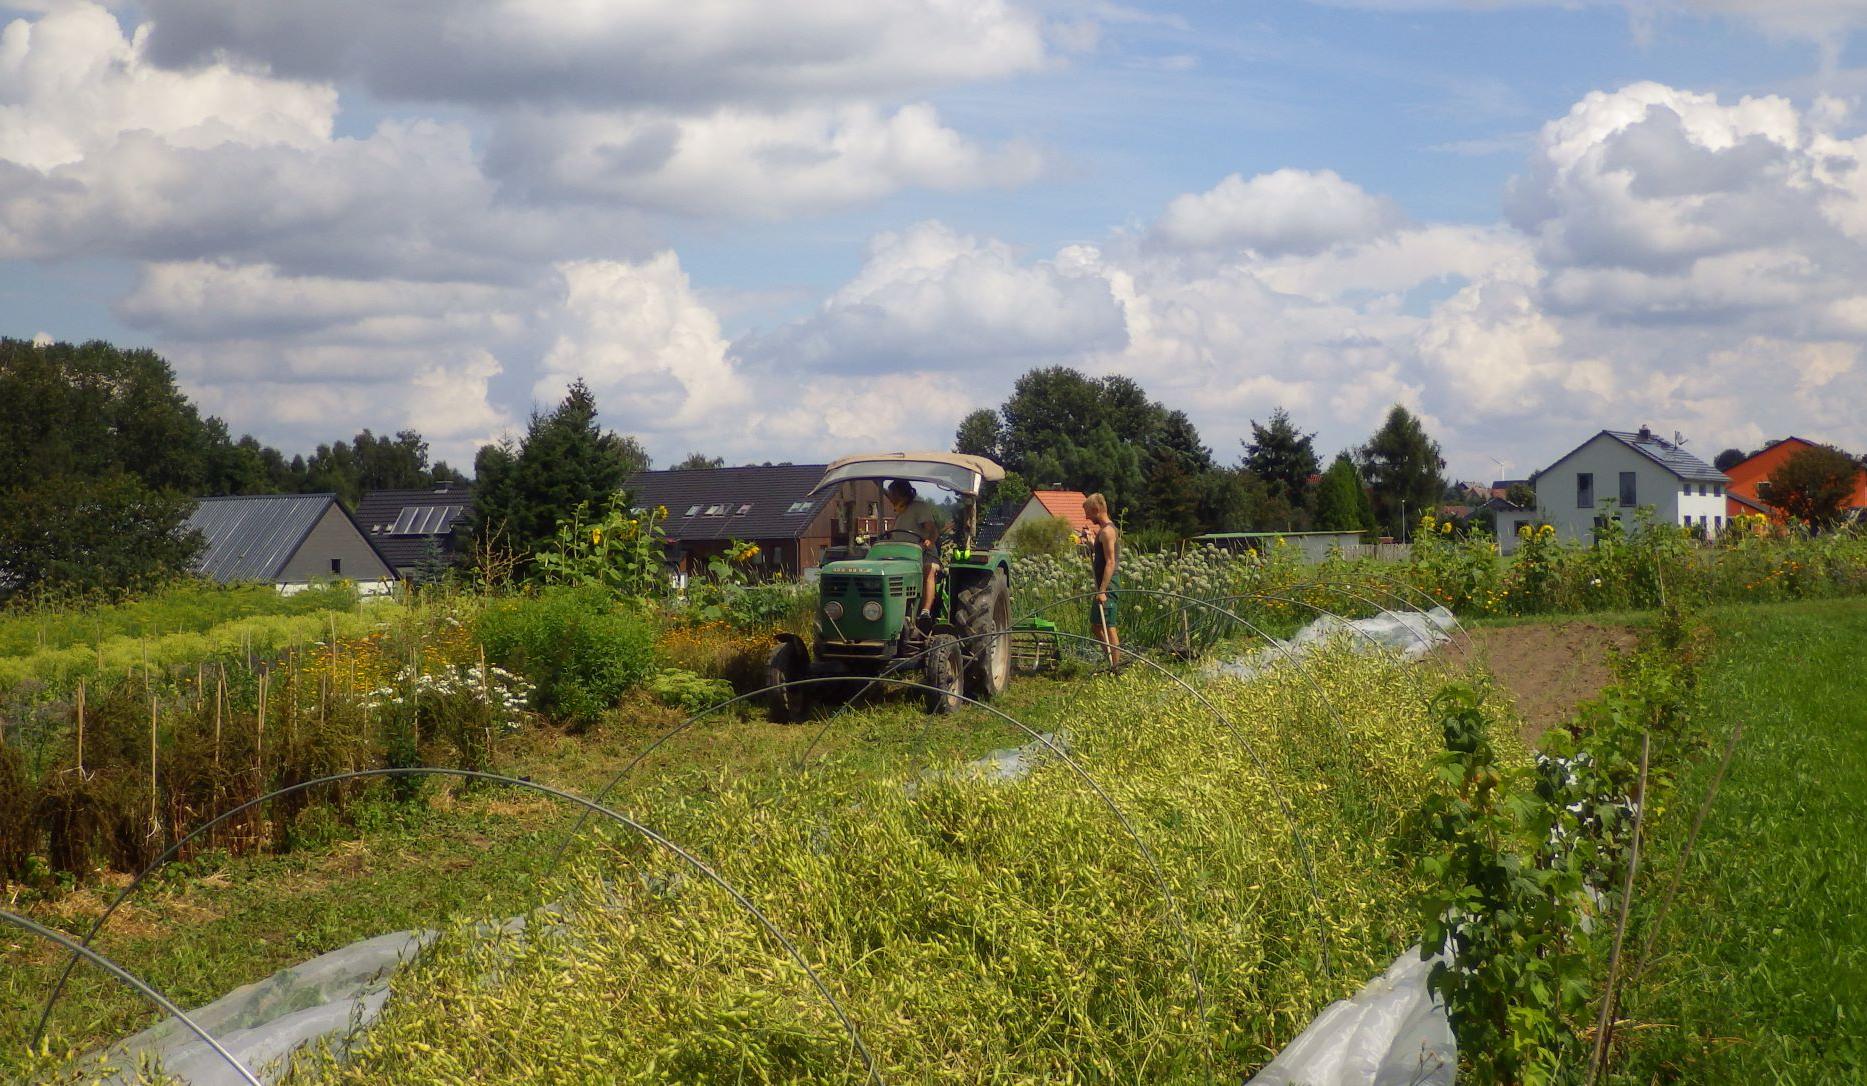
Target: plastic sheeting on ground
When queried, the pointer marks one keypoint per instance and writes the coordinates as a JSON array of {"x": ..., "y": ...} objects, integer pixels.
[
  {"x": 1412, "y": 634},
  {"x": 262, "y": 1022},
  {"x": 1391, "y": 1033}
]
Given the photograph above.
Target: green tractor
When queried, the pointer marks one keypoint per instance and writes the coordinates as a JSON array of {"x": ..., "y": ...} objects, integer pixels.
[{"x": 868, "y": 596}]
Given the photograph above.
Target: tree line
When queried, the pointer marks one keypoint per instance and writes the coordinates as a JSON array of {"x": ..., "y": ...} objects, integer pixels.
[
  {"x": 102, "y": 457},
  {"x": 1060, "y": 428}
]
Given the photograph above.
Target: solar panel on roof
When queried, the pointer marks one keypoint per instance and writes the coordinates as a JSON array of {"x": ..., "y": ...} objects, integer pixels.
[{"x": 426, "y": 519}]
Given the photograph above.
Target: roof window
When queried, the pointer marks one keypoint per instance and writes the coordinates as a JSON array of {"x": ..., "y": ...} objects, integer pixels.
[
  {"x": 744, "y": 509},
  {"x": 800, "y": 507},
  {"x": 716, "y": 510},
  {"x": 692, "y": 510}
]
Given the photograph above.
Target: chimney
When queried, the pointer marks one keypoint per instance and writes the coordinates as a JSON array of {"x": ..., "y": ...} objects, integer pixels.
[{"x": 1646, "y": 432}]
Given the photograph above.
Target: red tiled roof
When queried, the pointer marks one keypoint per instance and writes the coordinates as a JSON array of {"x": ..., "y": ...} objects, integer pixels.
[{"x": 1067, "y": 504}]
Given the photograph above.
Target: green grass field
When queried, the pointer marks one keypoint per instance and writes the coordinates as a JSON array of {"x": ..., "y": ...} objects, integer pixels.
[{"x": 1760, "y": 966}]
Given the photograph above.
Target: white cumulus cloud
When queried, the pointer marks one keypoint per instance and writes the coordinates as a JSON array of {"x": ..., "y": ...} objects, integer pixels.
[{"x": 1284, "y": 211}]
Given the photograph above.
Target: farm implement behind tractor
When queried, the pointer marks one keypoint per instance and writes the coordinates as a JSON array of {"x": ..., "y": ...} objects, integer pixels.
[{"x": 869, "y": 595}]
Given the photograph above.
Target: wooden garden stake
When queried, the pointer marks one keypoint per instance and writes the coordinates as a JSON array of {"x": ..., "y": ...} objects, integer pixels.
[
  {"x": 259, "y": 731},
  {"x": 291, "y": 689},
  {"x": 80, "y": 727},
  {"x": 1604, "y": 1025},
  {"x": 155, "y": 824},
  {"x": 220, "y": 701}
]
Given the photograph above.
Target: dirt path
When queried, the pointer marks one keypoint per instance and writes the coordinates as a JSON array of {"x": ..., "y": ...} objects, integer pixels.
[{"x": 1550, "y": 667}]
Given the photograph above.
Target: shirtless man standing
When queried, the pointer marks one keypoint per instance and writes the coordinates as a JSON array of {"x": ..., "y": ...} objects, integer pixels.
[{"x": 1107, "y": 551}]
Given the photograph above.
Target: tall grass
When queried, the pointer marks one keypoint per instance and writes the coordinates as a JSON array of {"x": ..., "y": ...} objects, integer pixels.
[{"x": 188, "y": 607}]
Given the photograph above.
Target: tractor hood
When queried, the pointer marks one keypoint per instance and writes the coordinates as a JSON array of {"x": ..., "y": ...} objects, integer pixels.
[{"x": 961, "y": 473}]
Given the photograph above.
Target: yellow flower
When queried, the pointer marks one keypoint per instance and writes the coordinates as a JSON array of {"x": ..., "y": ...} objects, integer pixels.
[
  {"x": 596, "y": 535},
  {"x": 661, "y": 512},
  {"x": 1446, "y": 528}
]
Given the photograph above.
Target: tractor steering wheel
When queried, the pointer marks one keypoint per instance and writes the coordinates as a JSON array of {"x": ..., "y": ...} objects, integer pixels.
[{"x": 909, "y": 532}]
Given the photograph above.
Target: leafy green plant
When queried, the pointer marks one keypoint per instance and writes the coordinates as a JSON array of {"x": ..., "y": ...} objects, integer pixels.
[
  {"x": 684, "y": 690},
  {"x": 579, "y": 647},
  {"x": 1507, "y": 868}
]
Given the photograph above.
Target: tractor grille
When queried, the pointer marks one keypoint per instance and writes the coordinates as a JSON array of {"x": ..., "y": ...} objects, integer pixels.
[
  {"x": 897, "y": 587},
  {"x": 868, "y": 588}
]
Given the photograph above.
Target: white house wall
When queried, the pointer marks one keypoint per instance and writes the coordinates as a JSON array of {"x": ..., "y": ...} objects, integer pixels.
[
  {"x": 1702, "y": 504},
  {"x": 1605, "y": 458}
]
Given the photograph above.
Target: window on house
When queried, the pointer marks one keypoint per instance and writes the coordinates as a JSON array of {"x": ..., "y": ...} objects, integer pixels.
[
  {"x": 337, "y": 565},
  {"x": 1717, "y": 522},
  {"x": 800, "y": 507},
  {"x": 744, "y": 509},
  {"x": 1629, "y": 498},
  {"x": 716, "y": 510},
  {"x": 693, "y": 510},
  {"x": 1584, "y": 490},
  {"x": 1717, "y": 490}
]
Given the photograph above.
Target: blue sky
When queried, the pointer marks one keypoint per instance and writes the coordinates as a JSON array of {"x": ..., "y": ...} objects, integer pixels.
[{"x": 329, "y": 224}]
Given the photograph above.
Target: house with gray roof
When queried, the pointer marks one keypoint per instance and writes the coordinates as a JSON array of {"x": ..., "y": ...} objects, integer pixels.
[
  {"x": 1606, "y": 478},
  {"x": 290, "y": 541},
  {"x": 413, "y": 527},
  {"x": 767, "y": 504}
]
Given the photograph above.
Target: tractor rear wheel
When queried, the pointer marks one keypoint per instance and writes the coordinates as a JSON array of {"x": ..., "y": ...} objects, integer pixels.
[
  {"x": 789, "y": 661},
  {"x": 945, "y": 674},
  {"x": 983, "y": 616}
]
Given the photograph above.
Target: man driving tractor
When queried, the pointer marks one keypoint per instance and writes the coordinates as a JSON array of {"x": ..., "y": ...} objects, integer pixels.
[{"x": 917, "y": 515}]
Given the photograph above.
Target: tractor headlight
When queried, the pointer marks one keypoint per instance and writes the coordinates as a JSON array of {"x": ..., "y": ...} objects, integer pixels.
[
  {"x": 872, "y": 610},
  {"x": 833, "y": 610}
]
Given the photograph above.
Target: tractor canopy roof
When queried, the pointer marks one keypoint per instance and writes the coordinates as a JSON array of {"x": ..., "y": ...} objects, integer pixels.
[{"x": 961, "y": 473}]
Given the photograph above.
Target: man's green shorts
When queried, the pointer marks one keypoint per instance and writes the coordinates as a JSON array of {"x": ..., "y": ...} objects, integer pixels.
[{"x": 1103, "y": 614}]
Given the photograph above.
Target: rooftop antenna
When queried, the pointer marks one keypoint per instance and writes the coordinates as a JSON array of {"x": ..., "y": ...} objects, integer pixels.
[{"x": 1678, "y": 440}]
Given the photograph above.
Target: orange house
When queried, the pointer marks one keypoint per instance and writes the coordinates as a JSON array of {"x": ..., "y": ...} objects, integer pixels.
[{"x": 1743, "y": 497}]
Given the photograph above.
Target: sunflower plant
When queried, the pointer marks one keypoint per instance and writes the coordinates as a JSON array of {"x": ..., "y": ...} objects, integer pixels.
[{"x": 621, "y": 549}]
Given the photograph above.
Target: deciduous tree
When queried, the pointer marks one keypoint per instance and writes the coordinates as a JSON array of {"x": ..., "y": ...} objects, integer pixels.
[
  {"x": 978, "y": 435},
  {"x": 1814, "y": 484}
]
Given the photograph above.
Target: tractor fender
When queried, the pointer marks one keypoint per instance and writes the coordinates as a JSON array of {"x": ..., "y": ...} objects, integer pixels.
[{"x": 784, "y": 637}]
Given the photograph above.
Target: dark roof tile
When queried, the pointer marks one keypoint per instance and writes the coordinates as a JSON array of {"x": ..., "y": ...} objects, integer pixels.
[
  {"x": 767, "y": 494},
  {"x": 1669, "y": 456},
  {"x": 383, "y": 509}
]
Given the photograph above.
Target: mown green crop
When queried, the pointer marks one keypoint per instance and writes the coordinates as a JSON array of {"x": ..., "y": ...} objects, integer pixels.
[{"x": 973, "y": 930}]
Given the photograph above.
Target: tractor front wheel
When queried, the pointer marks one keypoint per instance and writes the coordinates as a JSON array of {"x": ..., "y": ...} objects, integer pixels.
[
  {"x": 945, "y": 673},
  {"x": 789, "y": 662}
]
